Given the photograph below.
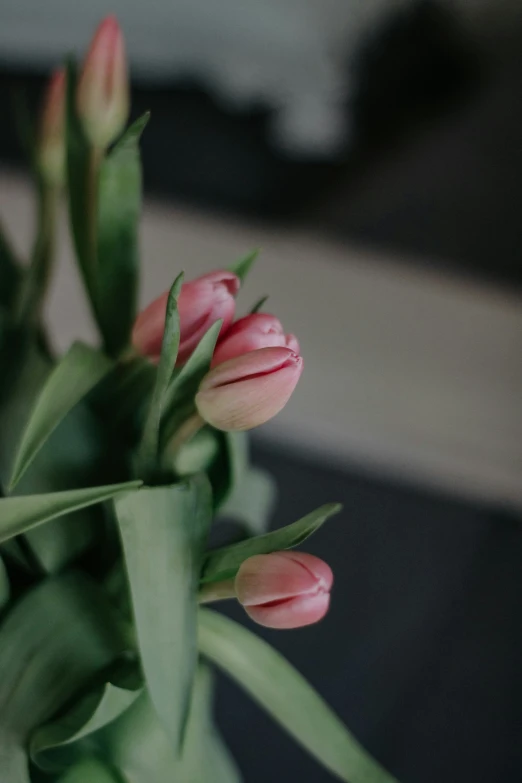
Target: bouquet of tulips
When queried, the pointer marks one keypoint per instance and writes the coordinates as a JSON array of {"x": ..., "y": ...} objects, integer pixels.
[{"x": 115, "y": 462}]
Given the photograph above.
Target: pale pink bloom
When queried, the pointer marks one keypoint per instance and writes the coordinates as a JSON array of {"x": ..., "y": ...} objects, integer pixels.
[
  {"x": 51, "y": 142},
  {"x": 284, "y": 589},
  {"x": 102, "y": 96},
  {"x": 250, "y": 333},
  {"x": 247, "y": 391},
  {"x": 201, "y": 303}
]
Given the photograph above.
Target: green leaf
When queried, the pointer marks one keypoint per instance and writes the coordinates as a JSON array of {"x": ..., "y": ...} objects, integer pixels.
[
  {"x": 90, "y": 770},
  {"x": 164, "y": 531},
  {"x": 53, "y": 642},
  {"x": 252, "y": 501},
  {"x": 56, "y": 745},
  {"x": 288, "y": 698},
  {"x": 179, "y": 399},
  {"x": 19, "y": 514},
  {"x": 243, "y": 265},
  {"x": 82, "y": 185},
  {"x": 5, "y": 587},
  {"x": 77, "y": 373},
  {"x": 258, "y": 305},
  {"x": 149, "y": 448},
  {"x": 138, "y": 745},
  {"x": 224, "y": 563},
  {"x": 119, "y": 207}
]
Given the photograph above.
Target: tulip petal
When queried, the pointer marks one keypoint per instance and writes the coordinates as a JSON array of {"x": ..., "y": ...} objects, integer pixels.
[{"x": 292, "y": 613}]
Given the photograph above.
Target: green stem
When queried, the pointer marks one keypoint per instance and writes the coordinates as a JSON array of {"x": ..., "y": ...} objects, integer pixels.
[
  {"x": 185, "y": 433},
  {"x": 92, "y": 185},
  {"x": 217, "y": 591},
  {"x": 34, "y": 286}
]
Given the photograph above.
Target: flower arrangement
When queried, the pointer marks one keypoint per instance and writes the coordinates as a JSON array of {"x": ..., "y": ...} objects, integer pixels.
[{"x": 115, "y": 461}]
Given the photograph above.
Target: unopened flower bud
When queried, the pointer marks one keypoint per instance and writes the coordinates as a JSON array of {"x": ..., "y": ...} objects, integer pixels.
[
  {"x": 284, "y": 589},
  {"x": 102, "y": 97},
  {"x": 51, "y": 141},
  {"x": 201, "y": 303},
  {"x": 250, "y": 333},
  {"x": 249, "y": 390}
]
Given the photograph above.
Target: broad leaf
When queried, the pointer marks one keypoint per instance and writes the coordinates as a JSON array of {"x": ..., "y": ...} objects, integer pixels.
[
  {"x": 76, "y": 374},
  {"x": 20, "y": 514},
  {"x": 53, "y": 642},
  {"x": 119, "y": 205},
  {"x": 243, "y": 265},
  {"x": 90, "y": 770},
  {"x": 138, "y": 745},
  {"x": 179, "y": 398},
  {"x": 224, "y": 563},
  {"x": 81, "y": 185},
  {"x": 288, "y": 697},
  {"x": 149, "y": 448},
  {"x": 57, "y": 745},
  {"x": 73, "y": 457},
  {"x": 164, "y": 531}
]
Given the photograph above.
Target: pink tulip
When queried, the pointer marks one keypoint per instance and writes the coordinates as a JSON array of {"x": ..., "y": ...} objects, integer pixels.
[
  {"x": 103, "y": 88},
  {"x": 258, "y": 330},
  {"x": 201, "y": 303},
  {"x": 284, "y": 589},
  {"x": 51, "y": 144},
  {"x": 249, "y": 390}
]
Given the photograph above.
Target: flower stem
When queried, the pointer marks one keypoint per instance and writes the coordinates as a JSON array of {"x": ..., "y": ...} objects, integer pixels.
[{"x": 217, "y": 591}]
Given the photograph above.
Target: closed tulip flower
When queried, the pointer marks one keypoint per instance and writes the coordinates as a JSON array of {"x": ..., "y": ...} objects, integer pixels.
[
  {"x": 250, "y": 333},
  {"x": 247, "y": 391},
  {"x": 51, "y": 142},
  {"x": 201, "y": 303},
  {"x": 102, "y": 96},
  {"x": 284, "y": 589}
]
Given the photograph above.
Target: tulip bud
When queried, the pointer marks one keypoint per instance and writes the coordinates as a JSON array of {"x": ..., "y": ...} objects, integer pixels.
[
  {"x": 51, "y": 143},
  {"x": 250, "y": 333},
  {"x": 249, "y": 390},
  {"x": 284, "y": 589},
  {"x": 102, "y": 96},
  {"x": 201, "y": 303}
]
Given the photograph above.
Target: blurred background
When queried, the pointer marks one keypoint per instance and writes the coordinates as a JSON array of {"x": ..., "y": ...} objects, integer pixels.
[{"x": 373, "y": 148}]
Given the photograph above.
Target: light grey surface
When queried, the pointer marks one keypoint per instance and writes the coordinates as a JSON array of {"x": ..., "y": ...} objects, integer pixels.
[{"x": 406, "y": 371}]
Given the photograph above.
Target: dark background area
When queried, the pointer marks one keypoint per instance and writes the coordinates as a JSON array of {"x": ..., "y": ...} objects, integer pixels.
[{"x": 421, "y": 651}]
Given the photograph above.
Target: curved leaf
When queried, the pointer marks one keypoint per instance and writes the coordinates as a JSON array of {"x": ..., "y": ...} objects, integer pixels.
[
  {"x": 20, "y": 514},
  {"x": 149, "y": 447},
  {"x": 52, "y": 643},
  {"x": 90, "y": 770},
  {"x": 179, "y": 402},
  {"x": 164, "y": 531},
  {"x": 288, "y": 697},
  {"x": 51, "y": 745},
  {"x": 119, "y": 205},
  {"x": 224, "y": 563},
  {"x": 138, "y": 745},
  {"x": 243, "y": 265},
  {"x": 77, "y": 373}
]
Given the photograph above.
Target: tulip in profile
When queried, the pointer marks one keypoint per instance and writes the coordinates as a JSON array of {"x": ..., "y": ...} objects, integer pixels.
[
  {"x": 102, "y": 97},
  {"x": 250, "y": 333},
  {"x": 247, "y": 391},
  {"x": 284, "y": 589},
  {"x": 201, "y": 303},
  {"x": 51, "y": 141}
]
